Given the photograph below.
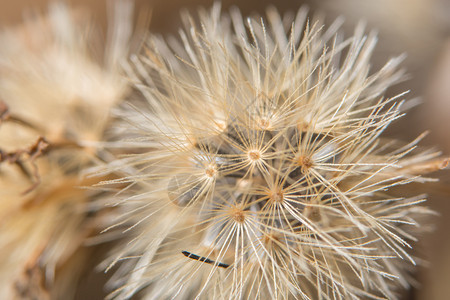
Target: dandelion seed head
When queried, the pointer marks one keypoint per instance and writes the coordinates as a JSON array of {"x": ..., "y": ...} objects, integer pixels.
[{"x": 266, "y": 136}]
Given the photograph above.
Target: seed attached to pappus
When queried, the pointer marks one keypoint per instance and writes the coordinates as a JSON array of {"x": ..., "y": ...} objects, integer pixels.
[{"x": 204, "y": 259}]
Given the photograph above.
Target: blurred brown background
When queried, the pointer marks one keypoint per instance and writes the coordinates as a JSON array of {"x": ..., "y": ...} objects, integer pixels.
[{"x": 420, "y": 28}]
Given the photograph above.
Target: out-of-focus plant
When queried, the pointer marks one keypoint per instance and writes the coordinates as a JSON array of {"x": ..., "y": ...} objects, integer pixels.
[{"x": 58, "y": 84}]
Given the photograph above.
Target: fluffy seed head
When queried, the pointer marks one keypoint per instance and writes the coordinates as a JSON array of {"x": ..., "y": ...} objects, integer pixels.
[{"x": 265, "y": 134}]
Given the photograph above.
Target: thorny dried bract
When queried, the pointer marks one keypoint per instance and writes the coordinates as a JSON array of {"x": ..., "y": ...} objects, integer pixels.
[{"x": 257, "y": 144}]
